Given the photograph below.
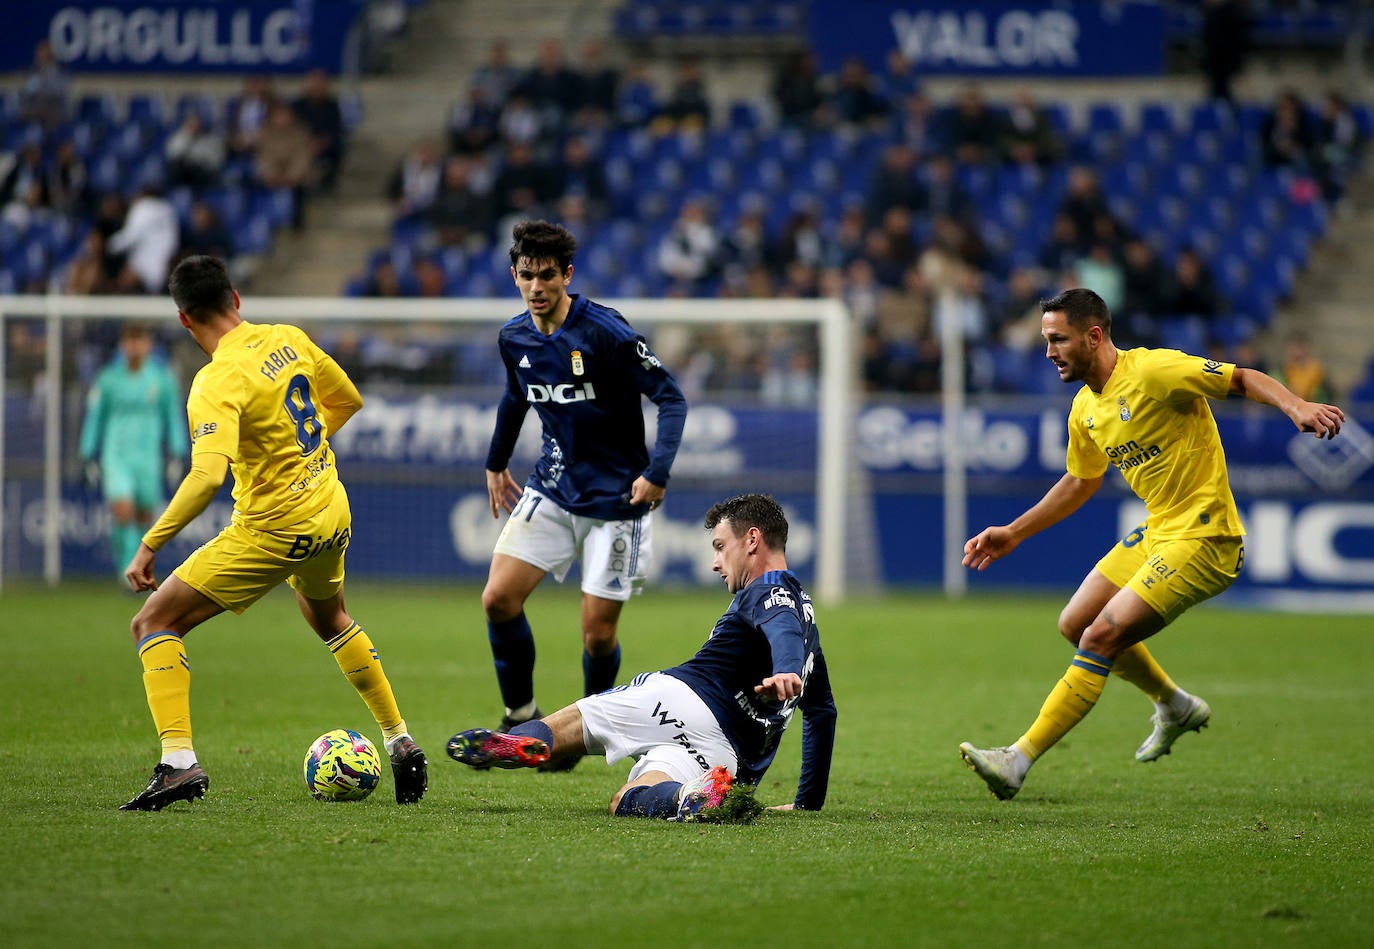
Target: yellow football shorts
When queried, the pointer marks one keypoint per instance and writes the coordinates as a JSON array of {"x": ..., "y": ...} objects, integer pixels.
[
  {"x": 1173, "y": 575},
  {"x": 240, "y": 564}
]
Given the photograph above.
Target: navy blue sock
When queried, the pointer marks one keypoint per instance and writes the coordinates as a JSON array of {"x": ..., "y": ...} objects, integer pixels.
[
  {"x": 535, "y": 728},
  {"x": 649, "y": 800},
  {"x": 599, "y": 672},
  {"x": 512, "y": 648}
]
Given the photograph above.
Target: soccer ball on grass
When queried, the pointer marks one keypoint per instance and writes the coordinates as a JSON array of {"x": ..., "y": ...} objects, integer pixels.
[{"x": 342, "y": 765}]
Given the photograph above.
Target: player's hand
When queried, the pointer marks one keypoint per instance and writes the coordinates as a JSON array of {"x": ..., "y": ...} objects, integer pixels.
[
  {"x": 173, "y": 470},
  {"x": 90, "y": 473},
  {"x": 502, "y": 492},
  {"x": 139, "y": 573},
  {"x": 780, "y": 688},
  {"x": 1322, "y": 420},
  {"x": 644, "y": 491},
  {"x": 992, "y": 544},
  {"x": 782, "y": 807}
]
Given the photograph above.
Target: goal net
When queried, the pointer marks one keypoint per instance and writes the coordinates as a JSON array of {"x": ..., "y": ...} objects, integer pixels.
[{"x": 769, "y": 386}]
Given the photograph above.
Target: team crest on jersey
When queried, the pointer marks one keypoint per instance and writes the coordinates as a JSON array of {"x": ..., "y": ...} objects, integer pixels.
[
  {"x": 577, "y": 367},
  {"x": 1089, "y": 422},
  {"x": 780, "y": 596},
  {"x": 1125, "y": 410}
]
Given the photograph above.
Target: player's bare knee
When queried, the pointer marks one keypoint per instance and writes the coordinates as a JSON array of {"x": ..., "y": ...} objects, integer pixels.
[
  {"x": 615, "y": 799},
  {"x": 599, "y": 639},
  {"x": 500, "y": 605}
]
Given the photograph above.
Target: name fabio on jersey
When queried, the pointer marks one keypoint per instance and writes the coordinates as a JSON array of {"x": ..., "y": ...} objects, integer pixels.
[
  {"x": 277, "y": 360},
  {"x": 562, "y": 394}
]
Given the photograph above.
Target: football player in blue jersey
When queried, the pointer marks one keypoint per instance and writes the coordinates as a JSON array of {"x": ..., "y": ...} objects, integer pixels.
[
  {"x": 716, "y": 718},
  {"x": 584, "y": 369}
]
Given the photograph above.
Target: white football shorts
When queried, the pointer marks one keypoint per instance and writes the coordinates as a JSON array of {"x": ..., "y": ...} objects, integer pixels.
[
  {"x": 660, "y": 721},
  {"x": 614, "y": 554}
]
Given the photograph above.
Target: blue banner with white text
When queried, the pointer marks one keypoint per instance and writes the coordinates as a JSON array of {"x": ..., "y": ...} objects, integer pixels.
[
  {"x": 209, "y": 36},
  {"x": 992, "y": 38}
]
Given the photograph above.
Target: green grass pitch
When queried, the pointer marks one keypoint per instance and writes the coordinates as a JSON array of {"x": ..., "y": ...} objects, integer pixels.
[{"x": 1255, "y": 832}]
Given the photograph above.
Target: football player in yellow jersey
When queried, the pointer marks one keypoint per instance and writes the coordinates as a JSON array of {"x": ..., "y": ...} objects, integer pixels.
[
  {"x": 1145, "y": 412},
  {"x": 264, "y": 407}
]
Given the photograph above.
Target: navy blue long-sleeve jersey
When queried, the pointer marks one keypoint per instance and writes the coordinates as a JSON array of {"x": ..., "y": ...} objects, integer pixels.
[
  {"x": 770, "y": 628},
  {"x": 585, "y": 383}
]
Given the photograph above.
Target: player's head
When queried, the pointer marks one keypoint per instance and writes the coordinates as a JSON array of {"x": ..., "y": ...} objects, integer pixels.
[
  {"x": 541, "y": 262},
  {"x": 135, "y": 342},
  {"x": 745, "y": 530},
  {"x": 1076, "y": 324},
  {"x": 201, "y": 288}
]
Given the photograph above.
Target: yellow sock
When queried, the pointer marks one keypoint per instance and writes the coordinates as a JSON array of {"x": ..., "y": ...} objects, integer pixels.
[
  {"x": 1070, "y": 700},
  {"x": 1139, "y": 668},
  {"x": 167, "y": 681},
  {"x": 361, "y": 665}
]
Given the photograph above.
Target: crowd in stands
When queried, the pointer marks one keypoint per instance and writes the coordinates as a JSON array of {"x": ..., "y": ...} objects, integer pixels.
[
  {"x": 103, "y": 196},
  {"x": 1190, "y": 221}
]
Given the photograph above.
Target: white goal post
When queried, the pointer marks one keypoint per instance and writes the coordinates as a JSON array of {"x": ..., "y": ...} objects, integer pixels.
[{"x": 829, "y": 319}]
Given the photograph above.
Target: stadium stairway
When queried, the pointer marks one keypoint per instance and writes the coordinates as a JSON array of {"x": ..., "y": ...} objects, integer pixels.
[
  {"x": 1330, "y": 299},
  {"x": 443, "y": 44}
]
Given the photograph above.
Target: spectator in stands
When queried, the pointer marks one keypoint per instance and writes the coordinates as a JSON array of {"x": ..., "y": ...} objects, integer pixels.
[
  {"x": 384, "y": 281},
  {"x": 859, "y": 288},
  {"x": 581, "y": 173},
  {"x": 475, "y": 122},
  {"x": 600, "y": 83},
  {"x": 318, "y": 110},
  {"x": 206, "y": 234},
  {"x": 690, "y": 252},
  {"x": 496, "y": 77},
  {"x": 414, "y": 184},
  {"x": 95, "y": 271},
  {"x": 25, "y": 171},
  {"x": 855, "y": 100},
  {"x": 974, "y": 130},
  {"x": 801, "y": 240},
  {"x": 636, "y": 103},
  {"x": 27, "y": 209},
  {"x": 877, "y": 251},
  {"x": 248, "y": 115},
  {"x": 1099, "y": 271},
  {"x": 195, "y": 153},
  {"x": 150, "y": 237},
  {"x": 459, "y": 215},
  {"x": 1336, "y": 145},
  {"x": 845, "y": 240},
  {"x": 1083, "y": 200},
  {"x": 917, "y": 124},
  {"x": 1016, "y": 320},
  {"x": 524, "y": 123},
  {"x": 43, "y": 95},
  {"x": 1065, "y": 244},
  {"x": 1192, "y": 291},
  {"x": 791, "y": 381},
  {"x": 1225, "y": 42},
  {"x": 551, "y": 88},
  {"x": 797, "y": 90},
  {"x": 893, "y": 183},
  {"x": 1145, "y": 294},
  {"x": 523, "y": 186},
  {"x": 688, "y": 107},
  {"x": 1028, "y": 138},
  {"x": 285, "y": 157},
  {"x": 747, "y": 245},
  {"x": 1286, "y": 134},
  {"x": 942, "y": 194},
  {"x": 899, "y": 226},
  {"x": 429, "y": 278},
  {"x": 1302, "y": 370},
  {"x": 900, "y": 79},
  {"x": 68, "y": 190}
]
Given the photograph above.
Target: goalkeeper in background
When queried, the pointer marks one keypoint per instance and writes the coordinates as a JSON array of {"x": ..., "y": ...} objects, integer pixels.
[{"x": 134, "y": 432}]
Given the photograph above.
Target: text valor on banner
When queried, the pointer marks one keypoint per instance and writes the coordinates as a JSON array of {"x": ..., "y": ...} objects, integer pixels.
[{"x": 988, "y": 37}]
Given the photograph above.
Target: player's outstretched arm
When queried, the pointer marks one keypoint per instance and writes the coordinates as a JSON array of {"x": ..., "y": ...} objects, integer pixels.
[
  {"x": 1322, "y": 420},
  {"x": 1059, "y": 502},
  {"x": 503, "y": 491},
  {"x": 193, "y": 496}
]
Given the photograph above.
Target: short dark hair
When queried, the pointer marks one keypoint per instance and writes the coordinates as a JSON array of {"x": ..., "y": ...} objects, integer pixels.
[
  {"x": 1082, "y": 308},
  {"x": 540, "y": 240},
  {"x": 201, "y": 288},
  {"x": 752, "y": 510},
  {"x": 135, "y": 330}
]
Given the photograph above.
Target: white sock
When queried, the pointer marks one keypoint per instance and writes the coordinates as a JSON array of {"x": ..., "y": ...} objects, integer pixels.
[
  {"x": 1023, "y": 761},
  {"x": 524, "y": 712},
  {"x": 391, "y": 743},
  {"x": 1176, "y": 706},
  {"x": 181, "y": 760}
]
